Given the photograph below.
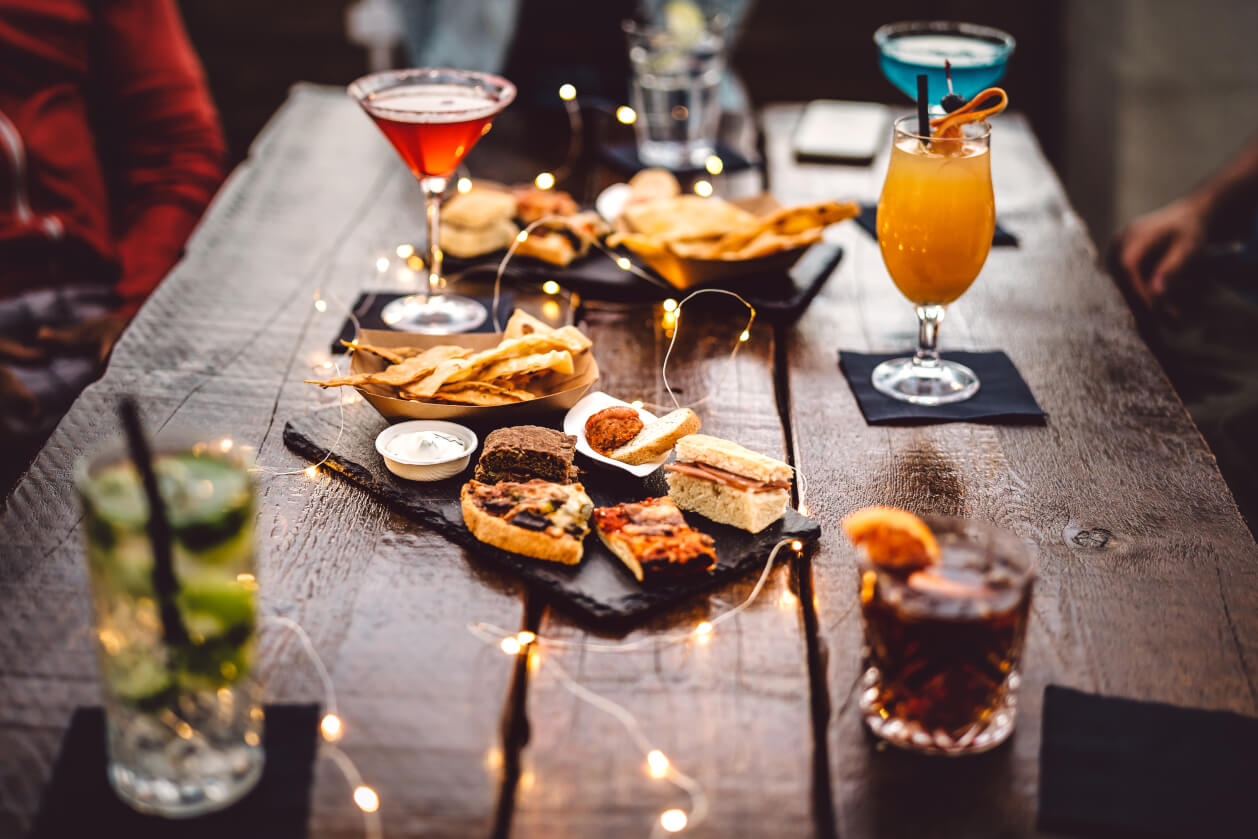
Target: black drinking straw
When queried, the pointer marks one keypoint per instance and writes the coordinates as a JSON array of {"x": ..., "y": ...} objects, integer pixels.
[
  {"x": 923, "y": 105},
  {"x": 164, "y": 582}
]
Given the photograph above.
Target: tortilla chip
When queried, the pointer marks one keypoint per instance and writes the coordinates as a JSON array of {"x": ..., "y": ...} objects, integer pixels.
[
  {"x": 482, "y": 394},
  {"x": 686, "y": 217},
  {"x": 798, "y": 219},
  {"x": 558, "y": 360},
  {"x": 769, "y": 243},
  {"x": 638, "y": 243},
  {"x": 389, "y": 354},
  {"x": 522, "y": 323},
  {"x": 396, "y": 375},
  {"x": 572, "y": 339}
]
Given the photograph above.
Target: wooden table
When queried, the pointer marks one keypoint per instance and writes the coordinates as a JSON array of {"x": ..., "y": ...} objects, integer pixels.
[{"x": 1148, "y": 578}]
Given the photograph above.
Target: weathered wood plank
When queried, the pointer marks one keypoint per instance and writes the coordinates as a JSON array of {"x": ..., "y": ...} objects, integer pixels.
[{"x": 1165, "y": 609}]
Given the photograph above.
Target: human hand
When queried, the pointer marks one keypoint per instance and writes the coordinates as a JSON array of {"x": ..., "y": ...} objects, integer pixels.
[
  {"x": 95, "y": 336},
  {"x": 1155, "y": 248},
  {"x": 16, "y": 399}
]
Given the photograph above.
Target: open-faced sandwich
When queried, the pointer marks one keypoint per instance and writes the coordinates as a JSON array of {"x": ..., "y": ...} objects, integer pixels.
[
  {"x": 653, "y": 540},
  {"x": 525, "y": 498},
  {"x": 729, "y": 483},
  {"x": 536, "y": 518}
]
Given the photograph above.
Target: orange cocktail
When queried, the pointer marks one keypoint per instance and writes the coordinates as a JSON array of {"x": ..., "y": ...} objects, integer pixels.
[{"x": 936, "y": 216}]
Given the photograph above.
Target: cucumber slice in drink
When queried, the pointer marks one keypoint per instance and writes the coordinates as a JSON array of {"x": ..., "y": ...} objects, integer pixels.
[
  {"x": 142, "y": 681},
  {"x": 214, "y": 608}
]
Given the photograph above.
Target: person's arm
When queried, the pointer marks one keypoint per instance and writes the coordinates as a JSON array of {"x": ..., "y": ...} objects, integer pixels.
[
  {"x": 165, "y": 132},
  {"x": 1155, "y": 248},
  {"x": 159, "y": 134}
]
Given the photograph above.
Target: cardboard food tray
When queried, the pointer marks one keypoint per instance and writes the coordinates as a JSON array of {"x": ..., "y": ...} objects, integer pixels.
[
  {"x": 600, "y": 591},
  {"x": 560, "y": 392}
]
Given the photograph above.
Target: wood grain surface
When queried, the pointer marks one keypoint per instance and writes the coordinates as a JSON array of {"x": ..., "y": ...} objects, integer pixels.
[{"x": 1148, "y": 580}]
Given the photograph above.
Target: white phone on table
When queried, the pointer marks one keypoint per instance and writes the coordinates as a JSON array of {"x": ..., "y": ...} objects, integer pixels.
[{"x": 834, "y": 131}]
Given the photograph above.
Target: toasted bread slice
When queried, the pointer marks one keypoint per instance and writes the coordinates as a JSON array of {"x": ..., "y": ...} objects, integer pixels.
[
  {"x": 723, "y": 454},
  {"x": 552, "y": 546},
  {"x": 653, "y": 540},
  {"x": 750, "y": 511},
  {"x": 657, "y": 437}
]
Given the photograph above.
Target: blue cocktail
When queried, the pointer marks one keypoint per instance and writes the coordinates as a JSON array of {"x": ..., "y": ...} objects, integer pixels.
[{"x": 977, "y": 54}]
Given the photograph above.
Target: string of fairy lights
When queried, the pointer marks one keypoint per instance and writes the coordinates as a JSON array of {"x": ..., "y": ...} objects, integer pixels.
[{"x": 658, "y": 765}]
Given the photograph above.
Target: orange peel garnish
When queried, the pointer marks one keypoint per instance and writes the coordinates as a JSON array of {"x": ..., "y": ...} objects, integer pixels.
[
  {"x": 948, "y": 127},
  {"x": 891, "y": 537}
]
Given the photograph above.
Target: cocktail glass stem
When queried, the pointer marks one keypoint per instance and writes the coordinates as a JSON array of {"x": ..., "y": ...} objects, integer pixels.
[
  {"x": 928, "y": 320},
  {"x": 433, "y": 189}
]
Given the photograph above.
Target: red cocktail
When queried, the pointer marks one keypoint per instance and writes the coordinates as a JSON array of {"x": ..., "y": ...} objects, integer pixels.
[{"x": 433, "y": 117}]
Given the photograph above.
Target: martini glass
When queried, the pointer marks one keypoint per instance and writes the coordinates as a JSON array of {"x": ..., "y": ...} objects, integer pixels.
[
  {"x": 978, "y": 55},
  {"x": 433, "y": 117}
]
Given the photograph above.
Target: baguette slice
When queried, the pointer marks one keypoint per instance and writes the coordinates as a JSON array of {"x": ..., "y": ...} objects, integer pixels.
[
  {"x": 750, "y": 511},
  {"x": 723, "y": 454},
  {"x": 657, "y": 437}
]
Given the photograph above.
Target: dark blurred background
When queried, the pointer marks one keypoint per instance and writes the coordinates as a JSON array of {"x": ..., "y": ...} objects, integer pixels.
[{"x": 1093, "y": 76}]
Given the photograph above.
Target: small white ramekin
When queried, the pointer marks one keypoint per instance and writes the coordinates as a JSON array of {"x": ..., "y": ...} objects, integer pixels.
[{"x": 412, "y": 471}]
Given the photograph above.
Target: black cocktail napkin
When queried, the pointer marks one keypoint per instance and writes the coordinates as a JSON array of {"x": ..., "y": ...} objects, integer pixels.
[
  {"x": 1117, "y": 767},
  {"x": 370, "y": 304},
  {"x": 80, "y": 802},
  {"x": 1003, "y": 395},
  {"x": 623, "y": 157},
  {"x": 868, "y": 219}
]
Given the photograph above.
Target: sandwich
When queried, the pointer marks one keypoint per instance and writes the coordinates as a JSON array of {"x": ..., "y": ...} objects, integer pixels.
[
  {"x": 653, "y": 540},
  {"x": 728, "y": 483},
  {"x": 657, "y": 437},
  {"x": 535, "y": 518},
  {"x": 478, "y": 222}
]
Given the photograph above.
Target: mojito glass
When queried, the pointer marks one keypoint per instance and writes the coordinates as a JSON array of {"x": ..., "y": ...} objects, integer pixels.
[{"x": 184, "y": 716}]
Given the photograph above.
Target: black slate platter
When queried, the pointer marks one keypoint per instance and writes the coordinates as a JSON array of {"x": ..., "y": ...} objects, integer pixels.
[
  {"x": 780, "y": 297},
  {"x": 600, "y": 590}
]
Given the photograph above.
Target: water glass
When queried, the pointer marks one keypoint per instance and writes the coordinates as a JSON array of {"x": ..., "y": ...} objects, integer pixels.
[{"x": 677, "y": 73}]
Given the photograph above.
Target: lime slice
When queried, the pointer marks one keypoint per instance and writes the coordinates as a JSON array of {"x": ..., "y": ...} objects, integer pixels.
[
  {"x": 143, "y": 681},
  {"x": 212, "y": 608},
  {"x": 685, "y": 22}
]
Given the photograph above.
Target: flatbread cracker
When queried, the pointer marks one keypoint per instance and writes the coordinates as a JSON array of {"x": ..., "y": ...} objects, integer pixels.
[
  {"x": 686, "y": 217},
  {"x": 482, "y": 394},
  {"x": 559, "y": 361}
]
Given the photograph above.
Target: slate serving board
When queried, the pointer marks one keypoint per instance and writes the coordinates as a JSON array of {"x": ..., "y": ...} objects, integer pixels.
[
  {"x": 600, "y": 590},
  {"x": 780, "y": 297}
]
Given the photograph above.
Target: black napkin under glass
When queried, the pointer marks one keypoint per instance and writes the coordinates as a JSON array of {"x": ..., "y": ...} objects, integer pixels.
[
  {"x": 370, "y": 304},
  {"x": 1003, "y": 395},
  {"x": 1117, "y": 767},
  {"x": 79, "y": 800},
  {"x": 868, "y": 220}
]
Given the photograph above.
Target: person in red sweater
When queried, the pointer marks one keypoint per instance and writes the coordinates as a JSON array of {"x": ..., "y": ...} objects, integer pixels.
[{"x": 110, "y": 149}]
